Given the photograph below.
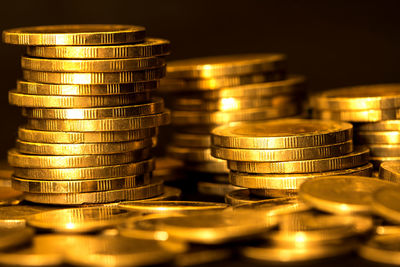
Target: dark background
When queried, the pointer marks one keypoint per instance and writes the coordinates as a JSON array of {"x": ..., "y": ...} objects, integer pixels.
[{"x": 333, "y": 43}]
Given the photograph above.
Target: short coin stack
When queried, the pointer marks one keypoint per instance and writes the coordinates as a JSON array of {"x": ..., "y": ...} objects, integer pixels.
[
  {"x": 211, "y": 91},
  {"x": 92, "y": 122},
  {"x": 375, "y": 112},
  {"x": 273, "y": 158}
]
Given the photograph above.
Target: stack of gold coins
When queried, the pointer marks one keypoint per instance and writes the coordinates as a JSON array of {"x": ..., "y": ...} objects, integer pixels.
[
  {"x": 91, "y": 120},
  {"x": 273, "y": 158},
  {"x": 375, "y": 112},
  {"x": 212, "y": 91}
]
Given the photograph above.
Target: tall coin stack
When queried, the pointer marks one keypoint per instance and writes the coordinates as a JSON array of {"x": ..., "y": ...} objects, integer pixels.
[
  {"x": 91, "y": 120},
  {"x": 211, "y": 91},
  {"x": 375, "y": 112},
  {"x": 273, "y": 158}
]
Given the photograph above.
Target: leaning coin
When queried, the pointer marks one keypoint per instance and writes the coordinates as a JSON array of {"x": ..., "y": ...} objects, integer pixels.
[
  {"x": 11, "y": 238},
  {"x": 386, "y": 203},
  {"x": 390, "y": 171},
  {"x": 382, "y": 249}
]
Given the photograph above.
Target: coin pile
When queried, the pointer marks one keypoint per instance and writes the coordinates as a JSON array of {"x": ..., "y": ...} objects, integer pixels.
[
  {"x": 212, "y": 91},
  {"x": 375, "y": 112},
  {"x": 91, "y": 120},
  {"x": 273, "y": 158}
]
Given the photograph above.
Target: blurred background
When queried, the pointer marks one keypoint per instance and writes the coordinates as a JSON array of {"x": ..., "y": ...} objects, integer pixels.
[{"x": 334, "y": 43}]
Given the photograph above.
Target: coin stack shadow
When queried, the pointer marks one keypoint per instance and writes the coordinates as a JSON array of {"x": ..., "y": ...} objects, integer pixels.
[
  {"x": 211, "y": 91},
  {"x": 91, "y": 120},
  {"x": 374, "y": 112},
  {"x": 273, "y": 158}
]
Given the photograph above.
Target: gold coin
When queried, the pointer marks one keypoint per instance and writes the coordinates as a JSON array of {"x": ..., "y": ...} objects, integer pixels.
[
  {"x": 10, "y": 196},
  {"x": 217, "y": 166},
  {"x": 384, "y": 150},
  {"x": 85, "y": 34},
  {"x": 289, "y": 181},
  {"x": 182, "y": 207},
  {"x": 142, "y": 192},
  {"x": 170, "y": 193},
  {"x": 83, "y": 186},
  {"x": 282, "y": 154},
  {"x": 275, "y": 206},
  {"x": 93, "y": 77},
  {"x": 91, "y": 65},
  {"x": 377, "y": 161},
  {"x": 385, "y": 203},
  {"x": 378, "y": 137},
  {"x": 190, "y": 153},
  {"x": 80, "y": 220},
  {"x": 150, "y": 47},
  {"x": 82, "y": 149},
  {"x": 240, "y": 197},
  {"x": 32, "y": 88},
  {"x": 382, "y": 249},
  {"x": 48, "y": 101},
  {"x": 377, "y": 96},
  {"x": 390, "y": 170},
  {"x": 221, "y": 117},
  {"x": 101, "y": 125},
  {"x": 352, "y": 194},
  {"x": 274, "y": 193},
  {"x": 69, "y": 174},
  {"x": 169, "y": 169},
  {"x": 191, "y": 140},
  {"x": 389, "y": 125},
  {"x": 368, "y": 115},
  {"x": 283, "y": 133},
  {"x": 360, "y": 156},
  {"x": 209, "y": 67},
  {"x": 60, "y": 137},
  {"x": 215, "y": 189},
  {"x": 12, "y": 238}
]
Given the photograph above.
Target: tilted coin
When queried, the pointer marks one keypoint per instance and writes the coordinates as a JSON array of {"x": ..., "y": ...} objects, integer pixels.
[
  {"x": 82, "y": 149},
  {"x": 60, "y": 137},
  {"x": 283, "y": 133},
  {"x": 289, "y": 181},
  {"x": 90, "y": 65},
  {"x": 382, "y": 249},
  {"x": 241, "y": 196},
  {"x": 150, "y": 47},
  {"x": 282, "y": 154},
  {"x": 85, "y": 34},
  {"x": 378, "y": 137},
  {"x": 368, "y": 115},
  {"x": 341, "y": 194},
  {"x": 190, "y": 153},
  {"x": 385, "y": 203},
  {"x": 49, "y": 101},
  {"x": 390, "y": 170},
  {"x": 156, "y": 105},
  {"x": 80, "y": 186},
  {"x": 10, "y": 196},
  {"x": 387, "y": 125},
  {"x": 137, "y": 193},
  {"x": 360, "y": 156},
  {"x": 69, "y": 174},
  {"x": 33, "y": 88},
  {"x": 11, "y": 238},
  {"x": 215, "y": 189},
  {"x": 101, "y": 125},
  {"x": 93, "y": 77}
]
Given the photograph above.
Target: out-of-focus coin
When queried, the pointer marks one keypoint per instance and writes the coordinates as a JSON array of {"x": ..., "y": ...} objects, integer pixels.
[
  {"x": 155, "y": 188},
  {"x": 215, "y": 189},
  {"x": 80, "y": 220},
  {"x": 191, "y": 140},
  {"x": 150, "y": 47},
  {"x": 386, "y": 203},
  {"x": 351, "y": 194},
  {"x": 378, "y": 137},
  {"x": 273, "y": 193},
  {"x": 275, "y": 206},
  {"x": 6, "y": 172},
  {"x": 170, "y": 193},
  {"x": 10, "y": 196},
  {"x": 368, "y": 115},
  {"x": 289, "y": 181},
  {"x": 217, "y": 166},
  {"x": 377, "y": 161},
  {"x": 388, "y": 125},
  {"x": 358, "y": 157},
  {"x": 283, "y": 133},
  {"x": 282, "y": 154},
  {"x": 69, "y": 174},
  {"x": 85, "y": 34},
  {"x": 382, "y": 249},
  {"x": 384, "y": 150},
  {"x": 387, "y": 229},
  {"x": 102, "y": 125},
  {"x": 241, "y": 196},
  {"x": 390, "y": 171},
  {"x": 11, "y": 238},
  {"x": 190, "y": 153}
]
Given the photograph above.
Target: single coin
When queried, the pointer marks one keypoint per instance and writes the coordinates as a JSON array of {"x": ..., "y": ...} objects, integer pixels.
[
  {"x": 289, "y": 181},
  {"x": 10, "y": 196},
  {"x": 384, "y": 150},
  {"x": 49, "y": 101},
  {"x": 101, "y": 125},
  {"x": 59, "y": 137},
  {"x": 33, "y": 88},
  {"x": 91, "y": 65},
  {"x": 84, "y": 34},
  {"x": 390, "y": 170},
  {"x": 69, "y": 174},
  {"x": 190, "y": 153},
  {"x": 191, "y": 140},
  {"x": 378, "y": 137},
  {"x": 150, "y": 47},
  {"x": 12, "y": 238},
  {"x": 83, "y": 186},
  {"x": 80, "y": 220},
  {"x": 388, "y": 125},
  {"x": 222, "y": 117},
  {"x": 170, "y": 193},
  {"x": 282, "y": 154},
  {"x": 183, "y": 207},
  {"x": 382, "y": 249},
  {"x": 241, "y": 196},
  {"x": 156, "y": 105},
  {"x": 137, "y": 193},
  {"x": 94, "y": 77},
  {"x": 209, "y": 67},
  {"x": 217, "y": 166},
  {"x": 352, "y": 194},
  {"x": 377, "y": 96},
  {"x": 82, "y": 149},
  {"x": 215, "y": 189},
  {"x": 360, "y": 156},
  {"x": 275, "y": 206},
  {"x": 367, "y": 115},
  {"x": 385, "y": 203},
  {"x": 283, "y": 133}
]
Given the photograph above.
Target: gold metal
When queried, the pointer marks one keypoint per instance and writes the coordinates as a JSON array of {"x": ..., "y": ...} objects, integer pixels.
[
  {"x": 12, "y": 238},
  {"x": 378, "y": 137},
  {"x": 215, "y": 189},
  {"x": 190, "y": 153},
  {"x": 85, "y": 34},
  {"x": 368, "y": 115},
  {"x": 191, "y": 140},
  {"x": 384, "y": 150},
  {"x": 170, "y": 193},
  {"x": 390, "y": 170},
  {"x": 240, "y": 197},
  {"x": 388, "y": 125},
  {"x": 383, "y": 249},
  {"x": 10, "y": 196},
  {"x": 385, "y": 203},
  {"x": 217, "y": 166}
]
